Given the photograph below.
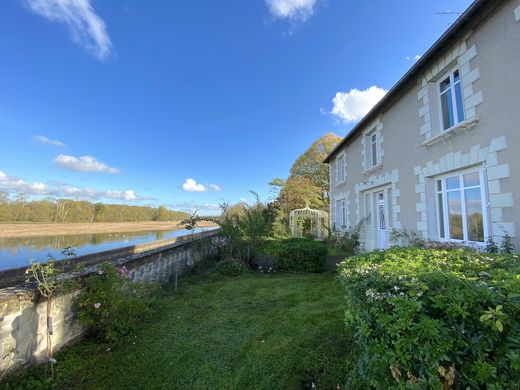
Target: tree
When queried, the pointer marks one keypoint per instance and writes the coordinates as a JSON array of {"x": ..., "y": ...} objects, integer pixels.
[
  {"x": 308, "y": 183},
  {"x": 99, "y": 212},
  {"x": 310, "y": 164},
  {"x": 5, "y": 208}
]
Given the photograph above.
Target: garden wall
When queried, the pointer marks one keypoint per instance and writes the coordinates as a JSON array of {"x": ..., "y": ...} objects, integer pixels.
[{"x": 23, "y": 338}]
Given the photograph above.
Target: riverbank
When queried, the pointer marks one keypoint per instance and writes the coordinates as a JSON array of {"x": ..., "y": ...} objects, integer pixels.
[{"x": 51, "y": 229}]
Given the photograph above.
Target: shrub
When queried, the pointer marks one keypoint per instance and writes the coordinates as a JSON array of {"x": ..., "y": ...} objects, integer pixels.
[
  {"x": 112, "y": 305},
  {"x": 229, "y": 267},
  {"x": 298, "y": 254},
  {"x": 426, "y": 318},
  {"x": 347, "y": 241}
]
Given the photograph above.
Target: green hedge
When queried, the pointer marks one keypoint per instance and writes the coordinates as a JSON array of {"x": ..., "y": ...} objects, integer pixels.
[
  {"x": 425, "y": 318},
  {"x": 229, "y": 267},
  {"x": 298, "y": 254}
]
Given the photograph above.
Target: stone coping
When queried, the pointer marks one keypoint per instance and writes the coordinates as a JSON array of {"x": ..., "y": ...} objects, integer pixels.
[{"x": 12, "y": 281}]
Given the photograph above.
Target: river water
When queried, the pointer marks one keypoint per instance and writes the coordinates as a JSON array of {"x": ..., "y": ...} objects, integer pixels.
[{"x": 21, "y": 251}]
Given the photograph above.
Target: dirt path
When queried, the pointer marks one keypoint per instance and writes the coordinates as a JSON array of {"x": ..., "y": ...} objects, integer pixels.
[{"x": 49, "y": 229}]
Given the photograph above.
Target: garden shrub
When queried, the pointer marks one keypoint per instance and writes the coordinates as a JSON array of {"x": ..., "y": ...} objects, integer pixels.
[
  {"x": 428, "y": 318},
  {"x": 229, "y": 267},
  {"x": 113, "y": 306},
  {"x": 298, "y": 254}
]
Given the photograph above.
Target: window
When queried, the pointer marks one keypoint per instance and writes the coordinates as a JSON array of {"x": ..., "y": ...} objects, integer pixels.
[
  {"x": 373, "y": 143},
  {"x": 341, "y": 214},
  {"x": 461, "y": 207},
  {"x": 341, "y": 169},
  {"x": 451, "y": 108}
]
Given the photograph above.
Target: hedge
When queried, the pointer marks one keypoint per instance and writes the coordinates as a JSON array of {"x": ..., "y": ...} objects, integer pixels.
[
  {"x": 298, "y": 254},
  {"x": 427, "y": 318}
]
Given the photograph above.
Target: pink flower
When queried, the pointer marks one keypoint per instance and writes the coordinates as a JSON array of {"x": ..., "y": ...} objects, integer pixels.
[
  {"x": 123, "y": 271},
  {"x": 97, "y": 305}
]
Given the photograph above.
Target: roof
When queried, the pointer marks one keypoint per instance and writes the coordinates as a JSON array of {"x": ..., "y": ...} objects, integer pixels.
[{"x": 445, "y": 38}]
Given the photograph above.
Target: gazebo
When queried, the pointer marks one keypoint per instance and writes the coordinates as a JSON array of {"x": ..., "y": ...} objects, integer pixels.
[{"x": 317, "y": 218}]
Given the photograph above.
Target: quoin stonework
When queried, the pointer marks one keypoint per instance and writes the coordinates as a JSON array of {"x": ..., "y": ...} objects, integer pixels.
[{"x": 439, "y": 153}]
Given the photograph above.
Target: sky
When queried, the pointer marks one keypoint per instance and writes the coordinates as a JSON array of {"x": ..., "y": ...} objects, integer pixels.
[{"x": 191, "y": 103}]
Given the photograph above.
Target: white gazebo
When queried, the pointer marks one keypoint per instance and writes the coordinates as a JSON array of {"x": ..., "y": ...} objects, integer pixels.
[{"x": 318, "y": 219}]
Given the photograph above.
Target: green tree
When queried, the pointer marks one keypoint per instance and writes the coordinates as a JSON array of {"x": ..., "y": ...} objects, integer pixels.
[
  {"x": 308, "y": 183},
  {"x": 99, "y": 212}
]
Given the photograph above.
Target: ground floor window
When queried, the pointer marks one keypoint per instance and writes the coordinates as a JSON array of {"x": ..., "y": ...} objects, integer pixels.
[
  {"x": 461, "y": 206},
  {"x": 341, "y": 214}
]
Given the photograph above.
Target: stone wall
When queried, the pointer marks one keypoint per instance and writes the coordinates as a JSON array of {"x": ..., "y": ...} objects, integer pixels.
[{"x": 23, "y": 337}]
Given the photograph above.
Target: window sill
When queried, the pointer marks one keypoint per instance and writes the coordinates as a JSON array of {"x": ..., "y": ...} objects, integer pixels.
[
  {"x": 464, "y": 126},
  {"x": 372, "y": 169},
  {"x": 341, "y": 183}
]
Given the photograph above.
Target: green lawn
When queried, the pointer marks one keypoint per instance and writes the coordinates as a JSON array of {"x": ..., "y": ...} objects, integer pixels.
[{"x": 247, "y": 332}]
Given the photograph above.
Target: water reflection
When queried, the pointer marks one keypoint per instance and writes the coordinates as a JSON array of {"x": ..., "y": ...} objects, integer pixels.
[{"x": 19, "y": 251}]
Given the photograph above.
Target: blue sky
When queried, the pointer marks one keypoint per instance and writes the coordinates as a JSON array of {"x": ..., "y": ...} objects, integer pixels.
[{"x": 124, "y": 101}]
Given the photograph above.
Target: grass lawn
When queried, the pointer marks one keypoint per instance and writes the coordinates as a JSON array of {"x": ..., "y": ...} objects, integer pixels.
[{"x": 248, "y": 332}]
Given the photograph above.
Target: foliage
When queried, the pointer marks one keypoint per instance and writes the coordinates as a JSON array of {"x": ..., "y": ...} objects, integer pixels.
[
  {"x": 404, "y": 237},
  {"x": 491, "y": 246},
  {"x": 20, "y": 209},
  {"x": 426, "y": 318},
  {"x": 248, "y": 332},
  {"x": 112, "y": 305},
  {"x": 243, "y": 228},
  {"x": 507, "y": 246},
  {"x": 298, "y": 254},
  {"x": 308, "y": 184},
  {"x": 229, "y": 267},
  {"x": 347, "y": 242},
  {"x": 44, "y": 274}
]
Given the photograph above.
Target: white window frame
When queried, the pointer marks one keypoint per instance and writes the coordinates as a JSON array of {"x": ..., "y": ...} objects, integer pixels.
[
  {"x": 445, "y": 217},
  {"x": 341, "y": 169},
  {"x": 374, "y": 157},
  {"x": 453, "y": 99},
  {"x": 341, "y": 214}
]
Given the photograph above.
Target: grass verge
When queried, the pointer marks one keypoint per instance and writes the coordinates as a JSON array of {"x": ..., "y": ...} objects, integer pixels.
[{"x": 247, "y": 332}]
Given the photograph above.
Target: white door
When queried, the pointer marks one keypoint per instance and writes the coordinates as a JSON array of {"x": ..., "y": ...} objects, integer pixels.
[{"x": 381, "y": 213}]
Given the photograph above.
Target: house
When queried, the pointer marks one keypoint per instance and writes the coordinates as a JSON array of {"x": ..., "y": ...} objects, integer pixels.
[{"x": 440, "y": 153}]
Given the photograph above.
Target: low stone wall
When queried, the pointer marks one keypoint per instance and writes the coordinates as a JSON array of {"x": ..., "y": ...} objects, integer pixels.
[{"x": 23, "y": 328}]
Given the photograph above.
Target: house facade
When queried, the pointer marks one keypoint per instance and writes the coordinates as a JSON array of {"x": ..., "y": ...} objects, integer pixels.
[{"x": 440, "y": 153}]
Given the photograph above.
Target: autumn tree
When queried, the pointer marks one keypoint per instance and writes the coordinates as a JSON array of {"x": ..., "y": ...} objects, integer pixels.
[{"x": 307, "y": 184}]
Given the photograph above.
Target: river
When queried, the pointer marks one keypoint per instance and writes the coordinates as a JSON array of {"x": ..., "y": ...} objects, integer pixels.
[{"x": 21, "y": 251}]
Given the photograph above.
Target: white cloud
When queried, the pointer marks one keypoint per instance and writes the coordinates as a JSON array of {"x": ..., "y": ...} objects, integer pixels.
[
  {"x": 83, "y": 164},
  {"x": 85, "y": 26},
  {"x": 191, "y": 185},
  {"x": 215, "y": 187},
  {"x": 416, "y": 58},
  {"x": 46, "y": 141},
  {"x": 12, "y": 184},
  {"x": 210, "y": 208},
  {"x": 353, "y": 105},
  {"x": 296, "y": 10}
]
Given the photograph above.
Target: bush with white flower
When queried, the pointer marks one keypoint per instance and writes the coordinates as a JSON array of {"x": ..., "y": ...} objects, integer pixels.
[
  {"x": 429, "y": 318},
  {"x": 111, "y": 305}
]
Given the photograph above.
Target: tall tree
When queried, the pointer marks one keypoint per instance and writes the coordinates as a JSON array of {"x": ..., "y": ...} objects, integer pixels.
[{"x": 308, "y": 183}]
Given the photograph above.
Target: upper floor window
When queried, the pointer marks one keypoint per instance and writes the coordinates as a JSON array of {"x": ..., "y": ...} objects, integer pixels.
[
  {"x": 373, "y": 149},
  {"x": 341, "y": 168},
  {"x": 461, "y": 207},
  {"x": 451, "y": 107}
]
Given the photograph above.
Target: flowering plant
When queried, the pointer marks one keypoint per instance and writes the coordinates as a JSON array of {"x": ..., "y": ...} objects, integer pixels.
[
  {"x": 428, "y": 318},
  {"x": 112, "y": 305}
]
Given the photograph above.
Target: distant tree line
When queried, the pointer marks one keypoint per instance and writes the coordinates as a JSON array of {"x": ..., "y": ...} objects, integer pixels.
[{"x": 21, "y": 209}]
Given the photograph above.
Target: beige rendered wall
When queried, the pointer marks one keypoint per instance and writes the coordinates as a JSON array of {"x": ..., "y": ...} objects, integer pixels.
[{"x": 414, "y": 150}]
